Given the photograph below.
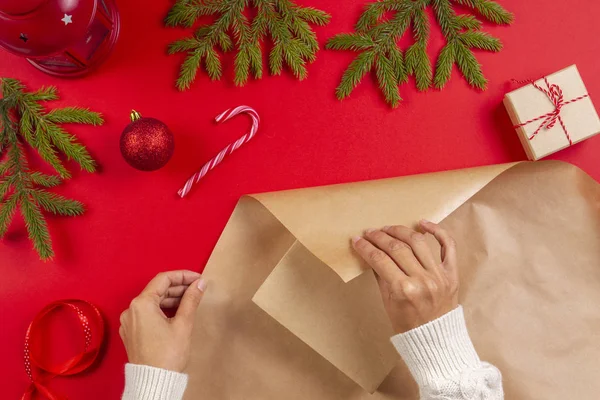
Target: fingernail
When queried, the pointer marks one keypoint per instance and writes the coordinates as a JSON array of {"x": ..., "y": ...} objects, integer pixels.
[
  {"x": 202, "y": 285},
  {"x": 385, "y": 228},
  {"x": 424, "y": 221},
  {"x": 370, "y": 230},
  {"x": 356, "y": 239}
]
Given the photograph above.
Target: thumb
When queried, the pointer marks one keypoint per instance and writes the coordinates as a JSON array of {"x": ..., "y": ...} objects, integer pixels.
[{"x": 190, "y": 301}]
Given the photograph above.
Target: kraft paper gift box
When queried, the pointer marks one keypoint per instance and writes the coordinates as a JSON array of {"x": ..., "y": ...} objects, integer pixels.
[
  {"x": 553, "y": 113},
  {"x": 292, "y": 313}
]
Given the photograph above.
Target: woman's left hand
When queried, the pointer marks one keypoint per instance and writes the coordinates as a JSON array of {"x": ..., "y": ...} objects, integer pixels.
[{"x": 150, "y": 338}]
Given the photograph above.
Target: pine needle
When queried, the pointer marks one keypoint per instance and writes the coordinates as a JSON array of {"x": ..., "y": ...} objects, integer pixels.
[
  {"x": 384, "y": 22},
  {"x": 287, "y": 24},
  {"x": 24, "y": 120}
]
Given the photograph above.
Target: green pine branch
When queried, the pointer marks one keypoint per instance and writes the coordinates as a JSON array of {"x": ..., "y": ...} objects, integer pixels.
[
  {"x": 376, "y": 40},
  {"x": 23, "y": 120},
  {"x": 287, "y": 24}
]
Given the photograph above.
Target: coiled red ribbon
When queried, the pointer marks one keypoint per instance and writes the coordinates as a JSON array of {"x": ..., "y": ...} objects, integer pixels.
[
  {"x": 555, "y": 94},
  {"x": 92, "y": 325}
]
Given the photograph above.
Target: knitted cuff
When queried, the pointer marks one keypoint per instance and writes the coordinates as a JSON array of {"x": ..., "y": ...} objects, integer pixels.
[
  {"x": 438, "y": 350},
  {"x": 148, "y": 383}
]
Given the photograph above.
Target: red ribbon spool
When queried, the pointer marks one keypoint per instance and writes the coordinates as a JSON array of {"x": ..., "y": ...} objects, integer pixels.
[{"x": 92, "y": 325}]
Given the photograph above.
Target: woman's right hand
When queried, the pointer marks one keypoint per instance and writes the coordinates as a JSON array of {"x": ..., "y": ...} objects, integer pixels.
[{"x": 415, "y": 288}]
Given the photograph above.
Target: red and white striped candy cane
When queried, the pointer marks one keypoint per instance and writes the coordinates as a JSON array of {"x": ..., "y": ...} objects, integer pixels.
[{"x": 224, "y": 116}]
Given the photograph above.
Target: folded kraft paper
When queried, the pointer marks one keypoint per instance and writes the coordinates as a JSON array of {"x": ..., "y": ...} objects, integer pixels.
[{"x": 292, "y": 313}]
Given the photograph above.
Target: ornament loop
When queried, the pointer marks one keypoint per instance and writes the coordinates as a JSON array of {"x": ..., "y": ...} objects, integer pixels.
[{"x": 134, "y": 115}]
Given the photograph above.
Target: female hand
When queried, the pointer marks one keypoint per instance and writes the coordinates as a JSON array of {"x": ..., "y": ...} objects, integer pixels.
[
  {"x": 415, "y": 288},
  {"x": 150, "y": 338}
]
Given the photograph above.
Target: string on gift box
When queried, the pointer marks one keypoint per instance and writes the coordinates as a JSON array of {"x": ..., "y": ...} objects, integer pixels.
[
  {"x": 230, "y": 148},
  {"x": 39, "y": 370},
  {"x": 555, "y": 95}
]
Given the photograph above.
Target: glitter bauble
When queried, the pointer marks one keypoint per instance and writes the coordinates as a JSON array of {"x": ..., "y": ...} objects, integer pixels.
[{"x": 147, "y": 144}]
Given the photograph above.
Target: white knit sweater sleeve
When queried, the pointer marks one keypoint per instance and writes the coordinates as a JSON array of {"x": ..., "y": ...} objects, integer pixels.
[
  {"x": 443, "y": 361},
  {"x": 148, "y": 383}
]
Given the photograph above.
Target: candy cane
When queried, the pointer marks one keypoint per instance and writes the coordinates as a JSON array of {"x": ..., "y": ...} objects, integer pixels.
[{"x": 224, "y": 116}]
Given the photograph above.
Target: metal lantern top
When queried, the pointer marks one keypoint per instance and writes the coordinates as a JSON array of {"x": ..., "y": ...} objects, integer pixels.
[{"x": 35, "y": 28}]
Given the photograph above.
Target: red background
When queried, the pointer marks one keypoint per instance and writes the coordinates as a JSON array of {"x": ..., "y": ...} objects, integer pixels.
[{"x": 135, "y": 226}]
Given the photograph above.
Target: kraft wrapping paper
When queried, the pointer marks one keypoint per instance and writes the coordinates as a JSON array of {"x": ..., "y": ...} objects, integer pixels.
[{"x": 292, "y": 313}]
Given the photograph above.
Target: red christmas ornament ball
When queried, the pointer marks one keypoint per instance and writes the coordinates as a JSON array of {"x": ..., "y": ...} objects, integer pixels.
[{"x": 147, "y": 144}]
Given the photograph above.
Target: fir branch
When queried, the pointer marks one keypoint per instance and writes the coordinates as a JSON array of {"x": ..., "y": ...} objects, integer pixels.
[
  {"x": 468, "y": 65},
  {"x": 12, "y": 88},
  {"x": 213, "y": 64},
  {"x": 255, "y": 56},
  {"x": 67, "y": 144},
  {"x": 189, "y": 68},
  {"x": 24, "y": 120},
  {"x": 491, "y": 10},
  {"x": 56, "y": 204},
  {"x": 276, "y": 59},
  {"x": 446, "y": 17},
  {"x": 377, "y": 35},
  {"x": 467, "y": 22},
  {"x": 313, "y": 15},
  {"x": 361, "y": 66},
  {"x": 388, "y": 80},
  {"x": 45, "y": 93},
  {"x": 185, "y": 12},
  {"x": 398, "y": 64},
  {"x": 421, "y": 27},
  {"x": 288, "y": 25},
  {"x": 5, "y": 187},
  {"x": 419, "y": 65},
  {"x": 7, "y": 212},
  {"x": 378, "y": 41},
  {"x": 242, "y": 35},
  {"x": 445, "y": 61},
  {"x": 371, "y": 16},
  {"x": 224, "y": 41},
  {"x": 44, "y": 180},
  {"x": 74, "y": 115},
  {"x": 37, "y": 227},
  {"x": 185, "y": 44},
  {"x": 480, "y": 40},
  {"x": 350, "y": 41},
  {"x": 47, "y": 152}
]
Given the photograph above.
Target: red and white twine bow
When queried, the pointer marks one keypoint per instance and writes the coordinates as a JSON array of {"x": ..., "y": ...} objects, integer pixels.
[
  {"x": 555, "y": 95},
  {"x": 92, "y": 326},
  {"x": 230, "y": 148}
]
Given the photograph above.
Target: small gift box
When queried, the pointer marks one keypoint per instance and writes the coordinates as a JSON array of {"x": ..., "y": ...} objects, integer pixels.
[{"x": 552, "y": 113}]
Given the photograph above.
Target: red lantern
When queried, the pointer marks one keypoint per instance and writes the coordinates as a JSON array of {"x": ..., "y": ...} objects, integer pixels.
[{"x": 59, "y": 37}]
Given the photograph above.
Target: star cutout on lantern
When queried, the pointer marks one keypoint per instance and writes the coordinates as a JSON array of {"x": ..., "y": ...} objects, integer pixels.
[
  {"x": 67, "y": 19},
  {"x": 23, "y": 37}
]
